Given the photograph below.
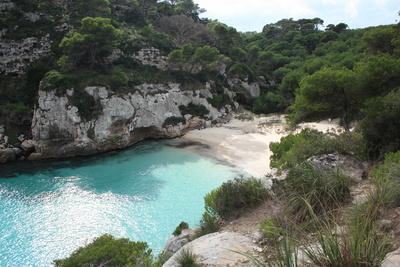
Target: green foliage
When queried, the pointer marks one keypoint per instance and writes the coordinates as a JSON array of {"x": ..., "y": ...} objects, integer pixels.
[
  {"x": 88, "y": 107},
  {"x": 380, "y": 39},
  {"x": 271, "y": 229},
  {"x": 96, "y": 35},
  {"x": 187, "y": 258},
  {"x": 118, "y": 78},
  {"x": 90, "y": 8},
  {"x": 294, "y": 149},
  {"x": 234, "y": 196},
  {"x": 180, "y": 227},
  {"x": 56, "y": 80},
  {"x": 308, "y": 188},
  {"x": 16, "y": 107},
  {"x": 109, "y": 251},
  {"x": 381, "y": 123},
  {"x": 195, "y": 110},
  {"x": 208, "y": 224},
  {"x": 328, "y": 93},
  {"x": 172, "y": 121}
]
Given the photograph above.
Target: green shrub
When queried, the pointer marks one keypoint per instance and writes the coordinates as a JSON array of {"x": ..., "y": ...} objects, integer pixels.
[
  {"x": 187, "y": 258},
  {"x": 108, "y": 251},
  {"x": 380, "y": 125},
  {"x": 234, "y": 196},
  {"x": 118, "y": 78},
  {"x": 195, "y": 110},
  {"x": 174, "y": 121},
  {"x": 296, "y": 148},
  {"x": 57, "y": 80},
  {"x": 88, "y": 107},
  {"x": 322, "y": 190},
  {"x": 219, "y": 100},
  {"x": 208, "y": 224},
  {"x": 180, "y": 227}
]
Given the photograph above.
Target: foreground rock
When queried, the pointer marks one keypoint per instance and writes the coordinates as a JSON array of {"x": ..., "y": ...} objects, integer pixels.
[
  {"x": 347, "y": 164},
  {"x": 218, "y": 249},
  {"x": 60, "y": 130},
  {"x": 174, "y": 243}
]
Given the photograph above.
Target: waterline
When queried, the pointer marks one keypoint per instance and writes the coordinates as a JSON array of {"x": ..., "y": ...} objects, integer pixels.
[{"x": 142, "y": 193}]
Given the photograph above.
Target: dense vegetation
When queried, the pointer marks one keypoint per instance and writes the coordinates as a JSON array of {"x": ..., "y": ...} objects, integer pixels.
[{"x": 308, "y": 70}]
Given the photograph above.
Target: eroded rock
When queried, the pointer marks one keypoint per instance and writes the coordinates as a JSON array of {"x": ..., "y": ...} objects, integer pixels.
[{"x": 218, "y": 249}]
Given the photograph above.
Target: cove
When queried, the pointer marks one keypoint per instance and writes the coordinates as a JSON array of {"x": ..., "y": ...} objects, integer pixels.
[{"x": 47, "y": 210}]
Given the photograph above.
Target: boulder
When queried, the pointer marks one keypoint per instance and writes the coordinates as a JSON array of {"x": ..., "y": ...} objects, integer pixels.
[
  {"x": 218, "y": 249},
  {"x": 392, "y": 259},
  {"x": 34, "y": 157},
  {"x": 28, "y": 146},
  {"x": 174, "y": 243},
  {"x": 347, "y": 164},
  {"x": 9, "y": 154}
]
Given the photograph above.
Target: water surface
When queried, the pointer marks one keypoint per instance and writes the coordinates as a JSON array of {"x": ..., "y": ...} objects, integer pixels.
[{"x": 47, "y": 210}]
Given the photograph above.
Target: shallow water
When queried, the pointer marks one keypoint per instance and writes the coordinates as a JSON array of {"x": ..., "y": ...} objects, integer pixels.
[{"x": 47, "y": 210}]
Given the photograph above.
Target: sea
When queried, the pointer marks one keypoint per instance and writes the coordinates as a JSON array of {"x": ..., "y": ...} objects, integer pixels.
[{"x": 49, "y": 209}]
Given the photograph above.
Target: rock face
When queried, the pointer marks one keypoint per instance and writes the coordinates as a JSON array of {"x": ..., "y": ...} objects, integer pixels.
[
  {"x": 349, "y": 165},
  {"x": 17, "y": 54},
  {"x": 174, "y": 243},
  {"x": 218, "y": 249},
  {"x": 59, "y": 130}
]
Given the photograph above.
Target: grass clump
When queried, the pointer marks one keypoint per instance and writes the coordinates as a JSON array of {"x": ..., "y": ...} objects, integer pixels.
[
  {"x": 187, "y": 258},
  {"x": 309, "y": 188}
]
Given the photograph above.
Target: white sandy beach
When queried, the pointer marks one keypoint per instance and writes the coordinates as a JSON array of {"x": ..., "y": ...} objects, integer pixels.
[{"x": 245, "y": 144}]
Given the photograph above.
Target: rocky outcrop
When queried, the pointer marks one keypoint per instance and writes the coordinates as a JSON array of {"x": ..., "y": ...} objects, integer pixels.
[
  {"x": 347, "y": 164},
  {"x": 60, "y": 131},
  {"x": 16, "y": 55},
  {"x": 218, "y": 249},
  {"x": 174, "y": 243}
]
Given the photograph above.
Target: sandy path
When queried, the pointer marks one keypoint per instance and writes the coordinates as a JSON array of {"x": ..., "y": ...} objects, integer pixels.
[{"x": 245, "y": 144}]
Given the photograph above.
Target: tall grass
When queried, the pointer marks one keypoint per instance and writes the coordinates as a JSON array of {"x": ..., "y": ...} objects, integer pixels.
[
  {"x": 187, "y": 258},
  {"x": 308, "y": 188},
  {"x": 360, "y": 241}
]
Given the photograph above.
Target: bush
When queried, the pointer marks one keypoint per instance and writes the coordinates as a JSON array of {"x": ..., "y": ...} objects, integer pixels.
[
  {"x": 108, "y": 251},
  {"x": 195, "y": 110},
  {"x": 174, "y": 121},
  {"x": 296, "y": 148},
  {"x": 208, "y": 224},
  {"x": 380, "y": 125},
  {"x": 310, "y": 189},
  {"x": 180, "y": 227},
  {"x": 234, "y": 196},
  {"x": 88, "y": 107}
]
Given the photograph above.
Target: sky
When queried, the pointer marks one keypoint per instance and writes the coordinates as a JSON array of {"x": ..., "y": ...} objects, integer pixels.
[{"x": 253, "y": 15}]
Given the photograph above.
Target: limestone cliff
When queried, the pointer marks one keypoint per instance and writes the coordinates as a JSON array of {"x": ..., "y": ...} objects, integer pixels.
[{"x": 60, "y": 131}]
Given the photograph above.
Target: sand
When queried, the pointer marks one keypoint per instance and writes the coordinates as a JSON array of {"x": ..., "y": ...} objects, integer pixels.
[{"x": 245, "y": 144}]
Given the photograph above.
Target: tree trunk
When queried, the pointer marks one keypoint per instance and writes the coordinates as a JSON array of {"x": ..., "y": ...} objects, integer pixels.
[{"x": 345, "y": 122}]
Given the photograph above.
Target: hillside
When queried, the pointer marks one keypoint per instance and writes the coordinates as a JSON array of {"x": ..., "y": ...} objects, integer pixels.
[{"x": 122, "y": 45}]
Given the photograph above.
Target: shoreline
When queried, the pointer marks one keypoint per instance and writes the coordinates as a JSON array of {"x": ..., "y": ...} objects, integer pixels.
[{"x": 245, "y": 144}]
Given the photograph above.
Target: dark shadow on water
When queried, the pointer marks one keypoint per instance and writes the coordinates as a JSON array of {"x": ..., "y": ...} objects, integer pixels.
[{"x": 15, "y": 169}]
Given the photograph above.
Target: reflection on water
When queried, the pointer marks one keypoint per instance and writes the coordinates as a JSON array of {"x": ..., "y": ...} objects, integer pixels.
[{"x": 48, "y": 209}]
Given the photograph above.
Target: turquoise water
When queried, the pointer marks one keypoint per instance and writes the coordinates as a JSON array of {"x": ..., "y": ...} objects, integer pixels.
[{"x": 47, "y": 210}]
